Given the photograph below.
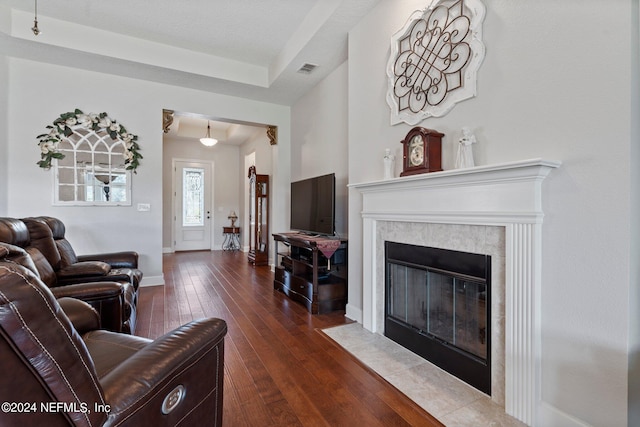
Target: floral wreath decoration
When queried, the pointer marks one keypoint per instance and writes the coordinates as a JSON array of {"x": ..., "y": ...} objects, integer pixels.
[{"x": 61, "y": 129}]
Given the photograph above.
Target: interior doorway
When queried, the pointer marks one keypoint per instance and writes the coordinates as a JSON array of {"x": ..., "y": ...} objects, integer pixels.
[
  {"x": 249, "y": 160},
  {"x": 193, "y": 197},
  {"x": 236, "y": 140}
]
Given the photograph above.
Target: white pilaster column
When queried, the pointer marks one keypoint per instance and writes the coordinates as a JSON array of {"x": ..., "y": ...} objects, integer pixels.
[
  {"x": 522, "y": 346},
  {"x": 369, "y": 302}
]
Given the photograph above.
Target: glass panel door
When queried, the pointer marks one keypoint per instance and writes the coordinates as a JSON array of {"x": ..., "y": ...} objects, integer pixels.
[
  {"x": 408, "y": 295},
  {"x": 441, "y": 303},
  {"x": 451, "y": 309},
  {"x": 192, "y": 204},
  {"x": 471, "y": 317}
]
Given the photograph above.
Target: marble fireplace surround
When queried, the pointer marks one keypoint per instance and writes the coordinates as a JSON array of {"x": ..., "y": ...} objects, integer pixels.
[{"x": 500, "y": 207}]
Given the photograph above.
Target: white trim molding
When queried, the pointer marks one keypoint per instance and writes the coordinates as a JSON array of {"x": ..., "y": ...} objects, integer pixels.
[{"x": 508, "y": 195}]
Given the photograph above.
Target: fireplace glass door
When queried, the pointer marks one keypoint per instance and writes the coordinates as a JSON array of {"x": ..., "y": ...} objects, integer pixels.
[
  {"x": 437, "y": 304},
  {"x": 440, "y": 305}
]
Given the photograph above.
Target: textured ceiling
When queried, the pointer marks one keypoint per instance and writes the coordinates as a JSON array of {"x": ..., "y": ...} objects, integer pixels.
[
  {"x": 252, "y": 31},
  {"x": 269, "y": 38}
]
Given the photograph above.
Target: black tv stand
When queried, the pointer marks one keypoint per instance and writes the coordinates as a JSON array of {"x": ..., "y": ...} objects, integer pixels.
[{"x": 307, "y": 276}]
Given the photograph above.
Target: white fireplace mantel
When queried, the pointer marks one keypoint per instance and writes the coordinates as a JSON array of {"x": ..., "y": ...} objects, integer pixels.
[{"x": 507, "y": 194}]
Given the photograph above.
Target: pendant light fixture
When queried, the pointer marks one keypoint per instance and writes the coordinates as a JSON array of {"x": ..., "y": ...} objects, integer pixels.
[
  {"x": 35, "y": 28},
  {"x": 207, "y": 140}
]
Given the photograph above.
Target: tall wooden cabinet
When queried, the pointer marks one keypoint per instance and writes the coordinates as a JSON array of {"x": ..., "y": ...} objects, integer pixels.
[{"x": 258, "y": 218}]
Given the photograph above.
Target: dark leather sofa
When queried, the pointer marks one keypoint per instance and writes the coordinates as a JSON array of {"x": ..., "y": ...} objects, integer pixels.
[
  {"x": 60, "y": 369},
  {"x": 113, "y": 292},
  {"x": 73, "y": 268}
]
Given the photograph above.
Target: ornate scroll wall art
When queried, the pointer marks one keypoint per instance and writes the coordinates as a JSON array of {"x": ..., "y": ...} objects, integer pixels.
[{"x": 434, "y": 60}]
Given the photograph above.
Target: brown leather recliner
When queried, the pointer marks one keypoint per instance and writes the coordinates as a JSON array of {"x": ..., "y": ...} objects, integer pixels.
[
  {"x": 115, "y": 299},
  {"x": 56, "y": 373},
  {"x": 48, "y": 235},
  {"x": 73, "y": 268}
]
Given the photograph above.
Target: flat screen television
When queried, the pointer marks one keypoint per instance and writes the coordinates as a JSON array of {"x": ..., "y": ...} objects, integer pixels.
[{"x": 313, "y": 205}]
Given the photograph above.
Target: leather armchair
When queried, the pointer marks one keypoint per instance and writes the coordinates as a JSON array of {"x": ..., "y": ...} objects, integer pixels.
[
  {"x": 114, "y": 299},
  {"x": 73, "y": 268},
  {"x": 73, "y": 374}
]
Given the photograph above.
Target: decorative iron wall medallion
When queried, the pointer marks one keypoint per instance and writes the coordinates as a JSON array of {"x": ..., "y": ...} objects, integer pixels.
[{"x": 434, "y": 60}]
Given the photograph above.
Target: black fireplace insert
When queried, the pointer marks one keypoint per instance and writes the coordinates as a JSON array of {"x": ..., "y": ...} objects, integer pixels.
[{"x": 437, "y": 304}]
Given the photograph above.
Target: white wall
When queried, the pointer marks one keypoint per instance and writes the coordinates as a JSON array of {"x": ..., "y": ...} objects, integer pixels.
[
  {"x": 556, "y": 83},
  {"x": 319, "y": 123},
  {"x": 226, "y": 190},
  {"x": 4, "y": 133},
  {"x": 248, "y": 161},
  {"x": 634, "y": 276},
  {"x": 39, "y": 92}
]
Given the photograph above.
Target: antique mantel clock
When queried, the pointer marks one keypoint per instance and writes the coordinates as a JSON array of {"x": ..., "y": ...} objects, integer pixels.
[{"x": 422, "y": 151}]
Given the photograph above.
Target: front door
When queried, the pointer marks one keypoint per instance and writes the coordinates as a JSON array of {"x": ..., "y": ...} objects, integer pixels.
[{"x": 192, "y": 206}]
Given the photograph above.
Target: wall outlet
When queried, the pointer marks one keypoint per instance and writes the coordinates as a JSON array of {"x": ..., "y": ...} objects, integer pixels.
[{"x": 144, "y": 207}]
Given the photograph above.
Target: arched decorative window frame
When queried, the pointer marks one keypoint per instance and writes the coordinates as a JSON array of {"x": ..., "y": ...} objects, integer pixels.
[
  {"x": 83, "y": 149},
  {"x": 75, "y": 140}
]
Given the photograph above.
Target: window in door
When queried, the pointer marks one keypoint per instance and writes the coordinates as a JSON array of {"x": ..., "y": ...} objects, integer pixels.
[{"x": 193, "y": 197}]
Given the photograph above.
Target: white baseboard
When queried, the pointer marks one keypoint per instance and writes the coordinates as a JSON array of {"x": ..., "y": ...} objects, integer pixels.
[
  {"x": 152, "y": 281},
  {"x": 353, "y": 313},
  {"x": 167, "y": 250},
  {"x": 549, "y": 415}
]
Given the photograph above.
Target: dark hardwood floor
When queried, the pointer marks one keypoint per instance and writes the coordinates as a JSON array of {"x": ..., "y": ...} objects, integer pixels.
[{"x": 280, "y": 369}]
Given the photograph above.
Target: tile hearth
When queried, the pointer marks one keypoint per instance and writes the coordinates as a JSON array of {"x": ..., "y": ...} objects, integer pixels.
[{"x": 450, "y": 400}]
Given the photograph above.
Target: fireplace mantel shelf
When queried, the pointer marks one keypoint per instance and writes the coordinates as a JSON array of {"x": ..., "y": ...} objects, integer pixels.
[
  {"x": 496, "y": 194},
  {"x": 531, "y": 168}
]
